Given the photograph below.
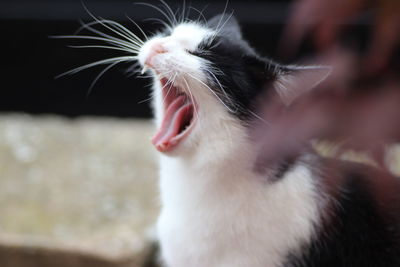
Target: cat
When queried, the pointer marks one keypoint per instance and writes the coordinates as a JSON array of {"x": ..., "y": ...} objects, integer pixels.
[
  {"x": 224, "y": 204},
  {"x": 217, "y": 209}
]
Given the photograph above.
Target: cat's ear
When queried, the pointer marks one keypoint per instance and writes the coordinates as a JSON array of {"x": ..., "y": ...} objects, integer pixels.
[
  {"x": 294, "y": 81},
  {"x": 225, "y": 23}
]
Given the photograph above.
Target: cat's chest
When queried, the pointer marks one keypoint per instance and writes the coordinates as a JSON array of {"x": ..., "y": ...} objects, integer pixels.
[{"x": 236, "y": 220}]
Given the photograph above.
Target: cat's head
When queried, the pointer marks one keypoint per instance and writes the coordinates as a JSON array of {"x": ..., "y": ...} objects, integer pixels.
[{"x": 207, "y": 80}]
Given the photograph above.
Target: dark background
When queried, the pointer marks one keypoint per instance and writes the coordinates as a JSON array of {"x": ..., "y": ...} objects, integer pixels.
[{"x": 30, "y": 59}]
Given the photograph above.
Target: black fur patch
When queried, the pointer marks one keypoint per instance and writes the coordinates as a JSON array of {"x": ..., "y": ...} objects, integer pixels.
[
  {"x": 241, "y": 72},
  {"x": 358, "y": 234}
]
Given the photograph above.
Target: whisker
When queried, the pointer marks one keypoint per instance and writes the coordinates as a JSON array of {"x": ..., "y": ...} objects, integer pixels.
[
  {"x": 192, "y": 99},
  {"x": 102, "y": 46},
  {"x": 144, "y": 76},
  {"x": 88, "y": 37},
  {"x": 134, "y": 69},
  {"x": 227, "y": 19},
  {"x": 219, "y": 29},
  {"x": 223, "y": 14},
  {"x": 165, "y": 72},
  {"x": 137, "y": 26},
  {"x": 183, "y": 11},
  {"x": 220, "y": 86},
  {"x": 160, "y": 21},
  {"x": 103, "y": 23},
  {"x": 168, "y": 83},
  {"x": 118, "y": 26},
  {"x": 219, "y": 26},
  {"x": 258, "y": 117},
  {"x": 216, "y": 95},
  {"x": 215, "y": 69},
  {"x": 169, "y": 10},
  {"x": 91, "y": 29},
  {"x": 101, "y": 74},
  {"x": 145, "y": 100},
  {"x": 176, "y": 13},
  {"x": 200, "y": 12},
  {"x": 93, "y": 64},
  {"x": 159, "y": 10},
  {"x": 212, "y": 39}
]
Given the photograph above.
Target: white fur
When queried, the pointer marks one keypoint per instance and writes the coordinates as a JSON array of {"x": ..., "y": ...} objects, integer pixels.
[{"x": 216, "y": 211}]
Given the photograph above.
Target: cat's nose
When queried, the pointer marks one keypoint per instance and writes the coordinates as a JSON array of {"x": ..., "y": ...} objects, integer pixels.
[{"x": 157, "y": 48}]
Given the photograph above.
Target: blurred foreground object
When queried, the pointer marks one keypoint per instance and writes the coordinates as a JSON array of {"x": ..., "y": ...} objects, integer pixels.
[
  {"x": 325, "y": 20},
  {"x": 75, "y": 192},
  {"x": 357, "y": 106}
]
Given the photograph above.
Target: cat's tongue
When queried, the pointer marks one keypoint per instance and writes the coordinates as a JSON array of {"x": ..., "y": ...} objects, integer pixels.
[{"x": 177, "y": 117}]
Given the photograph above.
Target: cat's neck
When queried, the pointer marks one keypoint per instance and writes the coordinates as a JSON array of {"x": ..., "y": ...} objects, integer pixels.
[{"x": 232, "y": 195}]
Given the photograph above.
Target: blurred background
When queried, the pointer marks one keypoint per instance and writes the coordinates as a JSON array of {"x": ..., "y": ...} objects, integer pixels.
[
  {"x": 77, "y": 172},
  {"x": 31, "y": 60}
]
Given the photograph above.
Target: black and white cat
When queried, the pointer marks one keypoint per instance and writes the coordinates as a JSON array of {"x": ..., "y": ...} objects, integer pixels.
[
  {"x": 217, "y": 209},
  {"x": 221, "y": 205}
]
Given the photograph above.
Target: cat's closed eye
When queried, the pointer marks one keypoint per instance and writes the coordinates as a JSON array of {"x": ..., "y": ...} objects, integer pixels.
[{"x": 197, "y": 52}]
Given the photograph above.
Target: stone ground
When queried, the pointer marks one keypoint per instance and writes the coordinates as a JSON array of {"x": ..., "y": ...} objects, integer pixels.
[
  {"x": 76, "y": 192},
  {"x": 82, "y": 192}
]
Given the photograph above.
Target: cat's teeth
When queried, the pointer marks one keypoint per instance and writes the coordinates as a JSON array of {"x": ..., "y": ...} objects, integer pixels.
[{"x": 145, "y": 68}]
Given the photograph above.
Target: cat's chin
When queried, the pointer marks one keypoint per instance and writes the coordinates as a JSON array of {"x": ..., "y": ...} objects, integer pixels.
[{"x": 178, "y": 119}]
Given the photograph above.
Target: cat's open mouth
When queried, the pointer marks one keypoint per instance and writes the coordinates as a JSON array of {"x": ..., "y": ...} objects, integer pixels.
[{"x": 178, "y": 118}]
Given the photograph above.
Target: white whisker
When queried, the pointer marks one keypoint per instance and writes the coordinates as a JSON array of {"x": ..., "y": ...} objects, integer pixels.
[
  {"x": 160, "y": 21},
  {"x": 222, "y": 15},
  {"x": 221, "y": 87},
  {"x": 104, "y": 22},
  {"x": 169, "y": 84},
  {"x": 183, "y": 12},
  {"x": 170, "y": 20},
  {"x": 130, "y": 35},
  {"x": 133, "y": 70},
  {"x": 220, "y": 28},
  {"x": 212, "y": 91},
  {"x": 140, "y": 28},
  {"x": 227, "y": 19},
  {"x": 258, "y": 117},
  {"x": 88, "y": 27},
  {"x": 192, "y": 99},
  {"x": 200, "y": 12},
  {"x": 100, "y": 62},
  {"x": 145, "y": 100},
  {"x": 169, "y": 10},
  {"x": 101, "y": 74},
  {"x": 145, "y": 77},
  {"x": 88, "y": 37},
  {"x": 102, "y": 46}
]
